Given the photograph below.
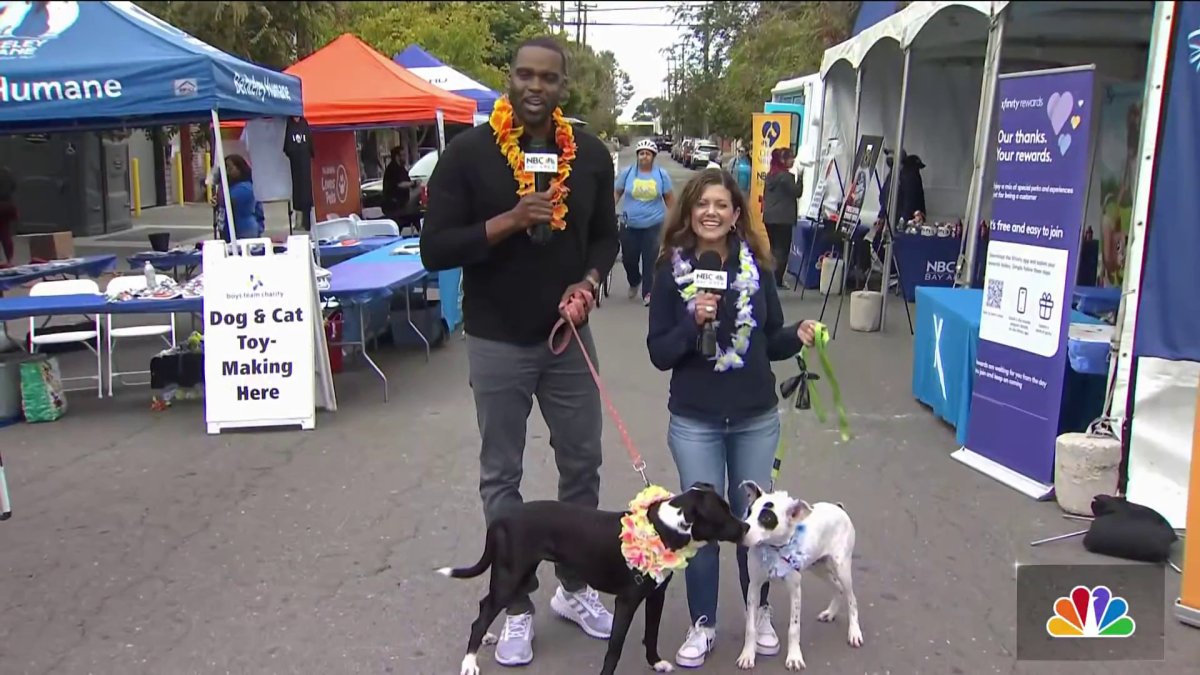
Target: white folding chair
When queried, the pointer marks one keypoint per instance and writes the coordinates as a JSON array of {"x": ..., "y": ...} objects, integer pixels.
[
  {"x": 129, "y": 283},
  {"x": 69, "y": 287},
  {"x": 379, "y": 227},
  {"x": 335, "y": 229}
]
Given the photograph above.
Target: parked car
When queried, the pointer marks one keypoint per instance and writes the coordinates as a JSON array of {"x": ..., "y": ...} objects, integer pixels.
[
  {"x": 664, "y": 143},
  {"x": 699, "y": 155}
]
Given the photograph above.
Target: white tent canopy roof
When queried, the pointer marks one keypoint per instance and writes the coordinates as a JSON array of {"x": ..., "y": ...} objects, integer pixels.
[{"x": 1033, "y": 27}]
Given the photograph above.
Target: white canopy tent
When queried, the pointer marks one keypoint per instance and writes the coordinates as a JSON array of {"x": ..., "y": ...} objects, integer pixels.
[
  {"x": 950, "y": 47},
  {"x": 953, "y": 52}
]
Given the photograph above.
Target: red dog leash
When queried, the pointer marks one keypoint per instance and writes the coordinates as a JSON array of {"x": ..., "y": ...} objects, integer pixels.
[{"x": 576, "y": 306}]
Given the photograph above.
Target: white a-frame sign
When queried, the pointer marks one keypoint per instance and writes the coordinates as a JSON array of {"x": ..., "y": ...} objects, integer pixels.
[{"x": 266, "y": 362}]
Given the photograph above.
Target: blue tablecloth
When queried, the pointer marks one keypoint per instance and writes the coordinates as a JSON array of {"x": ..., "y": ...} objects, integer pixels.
[
  {"x": 90, "y": 265},
  {"x": 350, "y": 285},
  {"x": 805, "y": 254},
  {"x": 331, "y": 254},
  {"x": 448, "y": 282},
  {"x": 925, "y": 261},
  {"x": 1090, "y": 356},
  {"x": 1096, "y": 301},
  {"x": 957, "y": 313}
]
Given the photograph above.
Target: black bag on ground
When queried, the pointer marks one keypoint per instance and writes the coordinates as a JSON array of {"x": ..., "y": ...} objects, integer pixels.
[{"x": 1126, "y": 530}]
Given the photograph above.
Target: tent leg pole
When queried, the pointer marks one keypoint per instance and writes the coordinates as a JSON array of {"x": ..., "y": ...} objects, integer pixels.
[
  {"x": 441, "y": 131},
  {"x": 893, "y": 199},
  {"x": 219, "y": 146},
  {"x": 983, "y": 132}
]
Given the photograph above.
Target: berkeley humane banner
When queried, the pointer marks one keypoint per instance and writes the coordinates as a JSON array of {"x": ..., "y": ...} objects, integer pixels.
[{"x": 1043, "y": 168}]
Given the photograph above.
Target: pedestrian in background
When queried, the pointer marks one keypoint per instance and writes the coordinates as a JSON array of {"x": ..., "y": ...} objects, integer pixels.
[
  {"x": 8, "y": 212},
  {"x": 644, "y": 196},
  {"x": 780, "y": 194}
]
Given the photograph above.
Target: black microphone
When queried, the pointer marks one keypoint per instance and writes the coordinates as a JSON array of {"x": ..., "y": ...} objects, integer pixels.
[
  {"x": 542, "y": 161},
  {"x": 709, "y": 276}
]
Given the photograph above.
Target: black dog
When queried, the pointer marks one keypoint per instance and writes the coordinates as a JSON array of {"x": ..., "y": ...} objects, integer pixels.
[{"x": 589, "y": 542}]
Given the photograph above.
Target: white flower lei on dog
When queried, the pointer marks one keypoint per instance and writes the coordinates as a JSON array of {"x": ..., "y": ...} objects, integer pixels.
[{"x": 745, "y": 283}]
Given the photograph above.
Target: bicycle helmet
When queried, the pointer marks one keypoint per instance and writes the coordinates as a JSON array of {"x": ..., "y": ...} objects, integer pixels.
[{"x": 647, "y": 144}]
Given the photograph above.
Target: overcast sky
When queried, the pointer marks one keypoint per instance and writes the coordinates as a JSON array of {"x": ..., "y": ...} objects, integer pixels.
[{"x": 635, "y": 46}]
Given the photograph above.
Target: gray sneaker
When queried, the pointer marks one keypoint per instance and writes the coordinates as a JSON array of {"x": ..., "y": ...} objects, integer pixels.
[
  {"x": 585, "y": 609},
  {"x": 515, "y": 647}
]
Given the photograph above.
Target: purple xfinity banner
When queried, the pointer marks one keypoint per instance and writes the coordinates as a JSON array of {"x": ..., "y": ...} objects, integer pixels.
[{"x": 1043, "y": 164}]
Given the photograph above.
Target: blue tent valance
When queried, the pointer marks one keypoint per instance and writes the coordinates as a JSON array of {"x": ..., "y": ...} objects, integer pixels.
[
  {"x": 76, "y": 65},
  {"x": 425, "y": 66}
]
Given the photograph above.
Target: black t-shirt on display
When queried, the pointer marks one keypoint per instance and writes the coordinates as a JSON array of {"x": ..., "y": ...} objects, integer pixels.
[{"x": 297, "y": 145}]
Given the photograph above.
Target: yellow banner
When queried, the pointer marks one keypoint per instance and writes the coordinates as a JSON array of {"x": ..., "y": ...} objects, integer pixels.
[
  {"x": 1189, "y": 592},
  {"x": 771, "y": 130}
]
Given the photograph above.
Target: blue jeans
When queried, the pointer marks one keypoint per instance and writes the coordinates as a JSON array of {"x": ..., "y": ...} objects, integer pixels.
[
  {"x": 706, "y": 451},
  {"x": 639, "y": 250}
]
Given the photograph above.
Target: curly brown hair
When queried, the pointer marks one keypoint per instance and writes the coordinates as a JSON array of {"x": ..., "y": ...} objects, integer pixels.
[{"x": 677, "y": 230}]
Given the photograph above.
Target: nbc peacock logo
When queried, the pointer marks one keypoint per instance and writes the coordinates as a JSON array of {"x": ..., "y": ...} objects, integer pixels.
[{"x": 1091, "y": 613}]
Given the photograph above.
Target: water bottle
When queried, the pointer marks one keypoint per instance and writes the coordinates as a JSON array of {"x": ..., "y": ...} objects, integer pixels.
[{"x": 151, "y": 275}]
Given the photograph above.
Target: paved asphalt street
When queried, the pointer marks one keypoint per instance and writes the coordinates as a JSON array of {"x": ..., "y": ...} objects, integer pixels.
[{"x": 141, "y": 545}]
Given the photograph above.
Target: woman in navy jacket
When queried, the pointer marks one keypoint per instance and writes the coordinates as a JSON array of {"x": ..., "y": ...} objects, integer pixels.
[{"x": 723, "y": 410}]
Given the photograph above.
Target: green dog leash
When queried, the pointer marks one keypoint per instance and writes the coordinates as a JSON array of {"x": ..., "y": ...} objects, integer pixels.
[{"x": 803, "y": 389}]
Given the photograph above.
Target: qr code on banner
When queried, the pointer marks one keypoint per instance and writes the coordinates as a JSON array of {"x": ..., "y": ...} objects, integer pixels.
[{"x": 995, "y": 293}]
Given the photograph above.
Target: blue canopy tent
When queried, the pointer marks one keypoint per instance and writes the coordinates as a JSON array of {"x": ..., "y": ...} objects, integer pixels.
[
  {"x": 422, "y": 64},
  {"x": 78, "y": 65},
  {"x": 71, "y": 66}
]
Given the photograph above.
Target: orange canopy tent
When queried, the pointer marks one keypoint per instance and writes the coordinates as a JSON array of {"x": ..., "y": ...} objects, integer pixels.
[{"x": 346, "y": 83}]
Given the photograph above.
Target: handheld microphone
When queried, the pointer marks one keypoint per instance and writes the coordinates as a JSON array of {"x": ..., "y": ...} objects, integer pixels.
[
  {"x": 708, "y": 276},
  {"x": 542, "y": 162}
]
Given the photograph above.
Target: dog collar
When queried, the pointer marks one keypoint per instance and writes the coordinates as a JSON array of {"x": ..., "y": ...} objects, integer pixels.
[
  {"x": 642, "y": 547},
  {"x": 782, "y": 560}
]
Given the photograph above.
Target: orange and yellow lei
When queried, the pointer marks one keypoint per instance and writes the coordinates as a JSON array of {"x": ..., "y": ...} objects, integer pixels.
[
  {"x": 508, "y": 138},
  {"x": 641, "y": 545}
]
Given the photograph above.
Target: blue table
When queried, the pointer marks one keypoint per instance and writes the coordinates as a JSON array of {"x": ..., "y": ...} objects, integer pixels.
[
  {"x": 958, "y": 312},
  {"x": 805, "y": 252},
  {"x": 90, "y": 265},
  {"x": 351, "y": 285},
  {"x": 1096, "y": 301},
  {"x": 448, "y": 282},
  {"x": 331, "y": 254},
  {"x": 925, "y": 261}
]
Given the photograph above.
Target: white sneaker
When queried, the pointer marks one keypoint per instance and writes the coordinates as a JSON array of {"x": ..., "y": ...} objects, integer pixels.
[
  {"x": 768, "y": 641},
  {"x": 697, "y": 645},
  {"x": 585, "y": 609},
  {"x": 515, "y": 647}
]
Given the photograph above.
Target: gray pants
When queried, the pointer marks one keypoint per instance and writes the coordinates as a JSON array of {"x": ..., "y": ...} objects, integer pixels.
[{"x": 505, "y": 378}]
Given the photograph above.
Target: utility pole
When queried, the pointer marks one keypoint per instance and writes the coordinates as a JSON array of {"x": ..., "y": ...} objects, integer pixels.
[
  {"x": 579, "y": 21},
  {"x": 585, "y": 22},
  {"x": 707, "y": 64},
  {"x": 562, "y": 16}
]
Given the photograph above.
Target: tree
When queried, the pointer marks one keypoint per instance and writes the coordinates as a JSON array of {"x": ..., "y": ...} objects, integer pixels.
[
  {"x": 650, "y": 109},
  {"x": 273, "y": 34},
  {"x": 751, "y": 46},
  {"x": 476, "y": 38}
]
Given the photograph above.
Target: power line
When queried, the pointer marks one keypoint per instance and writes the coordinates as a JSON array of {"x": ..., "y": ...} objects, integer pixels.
[{"x": 633, "y": 25}]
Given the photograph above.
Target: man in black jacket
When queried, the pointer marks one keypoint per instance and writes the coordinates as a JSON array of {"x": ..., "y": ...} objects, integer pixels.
[{"x": 517, "y": 276}]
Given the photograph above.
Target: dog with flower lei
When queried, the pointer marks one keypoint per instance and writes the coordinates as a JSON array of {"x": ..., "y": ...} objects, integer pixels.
[
  {"x": 641, "y": 545},
  {"x": 508, "y": 137}
]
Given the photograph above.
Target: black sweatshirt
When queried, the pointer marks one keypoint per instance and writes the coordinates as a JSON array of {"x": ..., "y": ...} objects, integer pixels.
[
  {"x": 511, "y": 290},
  {"x": 698, "y": 391}
]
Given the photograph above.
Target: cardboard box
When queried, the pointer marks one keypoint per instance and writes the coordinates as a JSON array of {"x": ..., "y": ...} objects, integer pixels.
[{"x": 52, "y": 246}]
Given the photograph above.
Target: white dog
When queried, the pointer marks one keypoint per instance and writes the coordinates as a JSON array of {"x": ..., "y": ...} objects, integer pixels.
[{"x": 787, "y": 537}]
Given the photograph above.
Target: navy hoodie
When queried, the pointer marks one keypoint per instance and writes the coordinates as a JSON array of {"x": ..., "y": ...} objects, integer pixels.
[{"x": 698, "y": 391}]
